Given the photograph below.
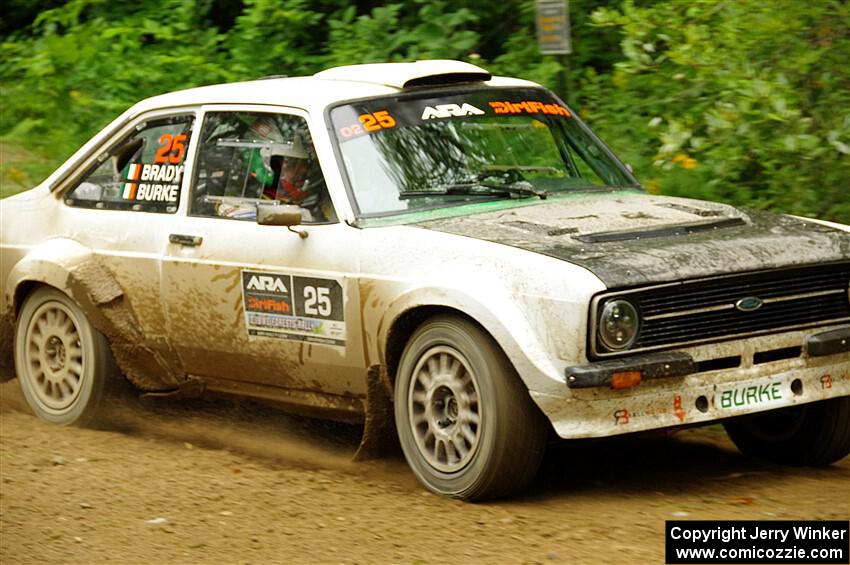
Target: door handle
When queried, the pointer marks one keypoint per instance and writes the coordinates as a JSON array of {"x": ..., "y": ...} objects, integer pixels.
[{"x": 181, "y": 239}]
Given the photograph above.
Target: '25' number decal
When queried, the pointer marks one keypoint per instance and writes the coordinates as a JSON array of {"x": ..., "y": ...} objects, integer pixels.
[
  {"x": 377, "y": 120},
  {"x": 317, "y": 301},
  {"x": 171, "y": 148}
]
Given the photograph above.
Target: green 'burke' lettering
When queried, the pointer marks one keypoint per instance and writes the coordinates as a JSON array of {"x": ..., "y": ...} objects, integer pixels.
[{"x": 755, "y": 394}]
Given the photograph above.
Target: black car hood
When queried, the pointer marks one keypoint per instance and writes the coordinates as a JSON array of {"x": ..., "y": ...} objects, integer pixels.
[{"x": 631, "y": 239}]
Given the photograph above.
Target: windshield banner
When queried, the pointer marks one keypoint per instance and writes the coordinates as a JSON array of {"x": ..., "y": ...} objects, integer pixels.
[{"x": 373, "y": 116}]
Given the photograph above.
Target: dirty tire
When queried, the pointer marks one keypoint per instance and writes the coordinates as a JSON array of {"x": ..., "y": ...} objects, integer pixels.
[
  {"x": 64, "y": 365},
  {"x": 810, "y": 434},
  {"x": 465, "y": 421}
]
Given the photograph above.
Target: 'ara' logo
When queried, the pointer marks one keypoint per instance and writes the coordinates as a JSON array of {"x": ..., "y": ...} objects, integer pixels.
[
  {"x": 266, "y": 283},
  {"x": 449, "y": 110}
]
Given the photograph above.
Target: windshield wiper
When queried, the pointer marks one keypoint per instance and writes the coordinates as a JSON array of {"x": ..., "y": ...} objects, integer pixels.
[
  {"x": 488, "y": 170},
  {"x": 521, "y": 189}
]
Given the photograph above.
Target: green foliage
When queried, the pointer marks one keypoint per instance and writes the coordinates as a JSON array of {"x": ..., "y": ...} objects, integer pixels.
[
  {"x": 20, "y": 168},
  {"x": 740, "y": 101},
  {"x": 744, "y": 101},
  {"x": 274, "y": 37},
  {"x": 397, "y": 32},
  {"x": 89, "y": 60}
]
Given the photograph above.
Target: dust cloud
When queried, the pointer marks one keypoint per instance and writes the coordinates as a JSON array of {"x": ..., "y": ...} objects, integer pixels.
[{"x": 238, "y": 426}]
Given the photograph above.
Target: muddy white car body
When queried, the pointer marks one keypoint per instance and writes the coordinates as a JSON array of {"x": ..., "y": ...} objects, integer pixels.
[{"x": 195, "y": 303}]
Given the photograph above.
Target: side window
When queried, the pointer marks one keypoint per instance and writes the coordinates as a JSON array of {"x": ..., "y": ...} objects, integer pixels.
[
  {"x": 142, "y": 172},
  {"x": 250, "y": 157}
]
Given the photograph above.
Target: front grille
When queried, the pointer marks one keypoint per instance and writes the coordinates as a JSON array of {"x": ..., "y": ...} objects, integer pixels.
[{"x": 704, "y": 310}]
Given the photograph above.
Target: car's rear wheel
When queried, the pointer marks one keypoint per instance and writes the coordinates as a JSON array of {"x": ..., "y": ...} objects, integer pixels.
[
  {"x": 810, "y": 434},
  {"x": 465, "y": 421},
  {"x": 63, "y": 364}
]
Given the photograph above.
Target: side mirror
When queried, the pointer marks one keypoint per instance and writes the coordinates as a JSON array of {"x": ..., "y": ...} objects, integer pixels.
[
  {"x": 269, "y": 214},
  {"x": 278, "y": 214}
]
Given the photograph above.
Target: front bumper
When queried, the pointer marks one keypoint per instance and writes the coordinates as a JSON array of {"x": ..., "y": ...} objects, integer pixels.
[
  {"x": 700, "y": 393},
  {"x": 678, "y": 364}
]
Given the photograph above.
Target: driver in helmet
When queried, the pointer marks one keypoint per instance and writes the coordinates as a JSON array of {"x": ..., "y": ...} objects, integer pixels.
[
  {"x": 290, "y": 160},
  {"x": 284, "y": 171}
]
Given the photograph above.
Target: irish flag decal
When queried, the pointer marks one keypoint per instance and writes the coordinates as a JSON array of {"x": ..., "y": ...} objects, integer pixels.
[{"x": 132, "y": 182}]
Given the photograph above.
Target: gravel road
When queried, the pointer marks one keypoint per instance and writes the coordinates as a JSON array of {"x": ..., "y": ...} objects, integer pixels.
[{"x": 228, "y": 482}]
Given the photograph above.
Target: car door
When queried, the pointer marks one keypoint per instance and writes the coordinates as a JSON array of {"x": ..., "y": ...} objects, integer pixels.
[
  {"x": 122, "y": 208},
  {"x": 257, "y": 303}
]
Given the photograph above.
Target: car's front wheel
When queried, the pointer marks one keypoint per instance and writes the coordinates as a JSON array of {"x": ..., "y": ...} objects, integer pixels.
[
  {"x": 810, "y": 434},
  {"x": 63, "y": 364},
  {"x": 465, "y": 421}
]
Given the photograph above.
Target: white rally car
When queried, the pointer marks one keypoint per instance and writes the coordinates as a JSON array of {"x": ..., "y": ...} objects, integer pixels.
[{"x": 425, "y": 245}]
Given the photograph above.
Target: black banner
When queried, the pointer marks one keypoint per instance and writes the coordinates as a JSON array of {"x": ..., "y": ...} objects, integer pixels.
[{"x": 757, "y": 541}]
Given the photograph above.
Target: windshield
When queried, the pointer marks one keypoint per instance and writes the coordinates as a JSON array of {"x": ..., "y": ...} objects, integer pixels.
[{"x": 420, "y": 152}]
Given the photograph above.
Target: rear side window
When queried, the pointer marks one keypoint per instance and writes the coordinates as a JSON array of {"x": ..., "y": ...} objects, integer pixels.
[{"x": 141, "y": 172}]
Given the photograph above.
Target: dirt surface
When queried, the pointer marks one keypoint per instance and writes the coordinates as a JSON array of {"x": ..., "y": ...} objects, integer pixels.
[{"x": 227, "y": 482}]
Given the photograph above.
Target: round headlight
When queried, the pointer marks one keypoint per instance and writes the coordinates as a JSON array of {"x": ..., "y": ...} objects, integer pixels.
[{"x": 618, "y": 324}]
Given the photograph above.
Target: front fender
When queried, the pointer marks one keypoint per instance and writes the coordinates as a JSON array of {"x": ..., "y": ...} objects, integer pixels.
[{"x": 507, "y": 323}]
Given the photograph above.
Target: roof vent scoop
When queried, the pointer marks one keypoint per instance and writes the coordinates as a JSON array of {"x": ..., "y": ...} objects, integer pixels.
[
  {"x": 408, "y": 75},
  {"x": 447, "y": 78}
]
